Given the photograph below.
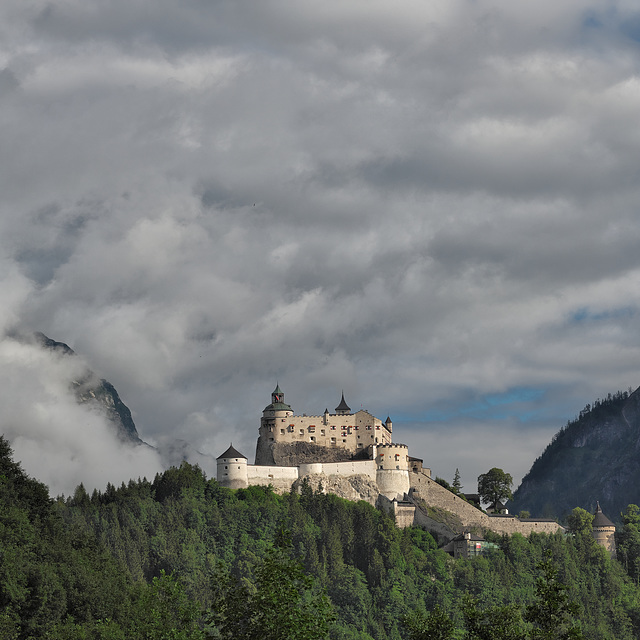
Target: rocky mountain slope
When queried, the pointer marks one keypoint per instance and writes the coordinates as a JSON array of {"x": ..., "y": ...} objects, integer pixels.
[
  {"x": 594, "y": 457},
  {"x": 93, "y": 390}
]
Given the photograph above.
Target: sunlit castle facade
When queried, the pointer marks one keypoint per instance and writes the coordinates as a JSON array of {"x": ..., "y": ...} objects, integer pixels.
[
  {"x": 341, "y": 429},
  {"x": 353, "y": 455}
]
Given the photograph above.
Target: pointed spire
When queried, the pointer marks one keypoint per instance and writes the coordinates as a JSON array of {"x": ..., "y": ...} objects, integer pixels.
[
  {"x": 277, "y": 395},
  {"x": 343, "y": 407}
]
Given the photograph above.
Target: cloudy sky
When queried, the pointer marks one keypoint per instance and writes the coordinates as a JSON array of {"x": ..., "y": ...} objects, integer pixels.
[{"x": 431, "y": 205}]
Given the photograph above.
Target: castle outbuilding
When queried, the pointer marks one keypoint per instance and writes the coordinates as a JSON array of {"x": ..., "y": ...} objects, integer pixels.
[{"x": 604, "y": 531}]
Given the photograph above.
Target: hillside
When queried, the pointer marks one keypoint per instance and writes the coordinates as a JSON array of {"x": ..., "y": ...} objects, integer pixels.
[
  {"x": 593, "y": 458},
  {"x": 184, "y": 558}
]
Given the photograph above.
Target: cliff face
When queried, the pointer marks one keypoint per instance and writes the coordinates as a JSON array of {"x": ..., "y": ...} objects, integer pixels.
[
  {"x": 92, "y": 390},
  {"x": 293, "y": 454},
  {"x": 595, "y": 457}
]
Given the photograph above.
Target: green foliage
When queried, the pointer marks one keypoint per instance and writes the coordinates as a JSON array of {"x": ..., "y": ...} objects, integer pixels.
[
  {"x": 456, "y": 485},
  {"x": 495, "y": 486},
  {"x": 159, "y": 559},
  {"x": 628, "y": 542},
  {"x": 165, "y": 612},
  {"x": 435, "y": 625},
  {"x": 552, "y": 613},
  {"x": 492, "y": 623},
  {"x": 579, "y": 522},
  {"x": 280, "y": 605}
]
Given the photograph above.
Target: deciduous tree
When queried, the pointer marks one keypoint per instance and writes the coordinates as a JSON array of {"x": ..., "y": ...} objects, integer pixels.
[{"x": 495, "y": 486}]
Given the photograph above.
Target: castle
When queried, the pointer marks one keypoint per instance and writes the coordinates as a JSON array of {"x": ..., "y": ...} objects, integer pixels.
[{"x": 354, "y": 456}]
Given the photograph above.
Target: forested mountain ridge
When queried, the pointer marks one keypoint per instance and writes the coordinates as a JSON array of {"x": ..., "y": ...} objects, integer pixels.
[
  {"x": 593, "y": 458},
  {"x": 182, "y": 558}
]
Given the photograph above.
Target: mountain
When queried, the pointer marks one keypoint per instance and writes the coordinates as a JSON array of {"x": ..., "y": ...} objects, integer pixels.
[
  {"x": 595, "y": 457},
  {"x": 93, "y": 390}
]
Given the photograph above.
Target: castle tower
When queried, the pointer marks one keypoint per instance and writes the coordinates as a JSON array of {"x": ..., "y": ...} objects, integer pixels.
[
  {"x": 343, "y": 408},
  {"x": 232, "y": 469},
  {"x": 604, "y": 531},
  {"x": 392, "y": 470},
  {"x": 274, "y": 417}
]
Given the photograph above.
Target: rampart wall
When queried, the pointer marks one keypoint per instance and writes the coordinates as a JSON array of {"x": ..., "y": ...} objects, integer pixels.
[
  {"x": 424, "y": 489},
  {"x": 350, "y": 468}
]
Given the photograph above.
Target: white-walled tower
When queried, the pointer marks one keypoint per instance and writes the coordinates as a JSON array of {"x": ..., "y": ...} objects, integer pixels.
[
  {"x": 232, "y": 469},
  {"x": 392, "y": 470}
]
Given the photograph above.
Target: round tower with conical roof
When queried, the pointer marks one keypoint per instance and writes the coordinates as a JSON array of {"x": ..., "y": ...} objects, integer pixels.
[
  {"x": 604, "y": 531},
  {"x": 232, "y": 469}
]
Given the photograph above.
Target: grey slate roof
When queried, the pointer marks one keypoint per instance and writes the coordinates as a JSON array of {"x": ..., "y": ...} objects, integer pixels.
[
  {"x": 231, "y": 453},
  {"x": 599, "y": 519},
  {"x": 343, "y": 406}
]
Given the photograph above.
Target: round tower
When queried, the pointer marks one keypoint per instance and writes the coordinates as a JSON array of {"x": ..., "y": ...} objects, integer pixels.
[
  {"x": 392, "y": 470},
  {"x": 232, "y": 469},
  {"x": 604, "y": 531}
]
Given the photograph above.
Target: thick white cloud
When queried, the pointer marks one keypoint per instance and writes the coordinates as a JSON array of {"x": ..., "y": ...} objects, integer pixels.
[{"x": 427, "y": 205}]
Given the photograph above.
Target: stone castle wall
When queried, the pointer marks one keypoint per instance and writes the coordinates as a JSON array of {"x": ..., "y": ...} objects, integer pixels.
[
  {"x": 353, "y": 432},
  {"x": 424, "y": 489}
]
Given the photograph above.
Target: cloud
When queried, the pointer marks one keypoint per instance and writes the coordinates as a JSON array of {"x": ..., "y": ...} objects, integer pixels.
[
  {"x": 62, "y": 442},
  {"x": 426, "y": 207}
]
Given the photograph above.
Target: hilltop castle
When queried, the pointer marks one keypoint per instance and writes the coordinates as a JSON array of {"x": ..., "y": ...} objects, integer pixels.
[{"x": 354, "y": 456}]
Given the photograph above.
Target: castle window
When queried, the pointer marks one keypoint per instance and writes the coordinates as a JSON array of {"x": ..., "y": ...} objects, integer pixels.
[
  {"x": 397, "y": 466},
  {"x": 312, "y": 438},
  {"x": 282, "y": 431},
  {"x": 322, "y": 432},
  {"x": 343, "y": 440},
  {"x": 312, "y": 429},
  {"x": 369, "y": 427},
  {"x": 397, "y": 457},
  {"x": 301, "y": 432},
  {"x": 333, "y": 440},
  {"x": 290, "y": 428},
  {"x": 333, "y": 428},
  {"x": 377, "y": 428}
]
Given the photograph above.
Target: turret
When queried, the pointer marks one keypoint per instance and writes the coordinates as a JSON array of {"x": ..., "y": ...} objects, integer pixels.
[
  {"x": 392, "y": 470},
  {"x": 232, "y": 469},
  {"x": 604, "y": 531}
]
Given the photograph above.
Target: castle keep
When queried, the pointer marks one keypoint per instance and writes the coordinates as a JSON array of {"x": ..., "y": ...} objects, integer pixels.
[
  {"x": 354, "y": 456},
  {"x": 337, "y": 436}
]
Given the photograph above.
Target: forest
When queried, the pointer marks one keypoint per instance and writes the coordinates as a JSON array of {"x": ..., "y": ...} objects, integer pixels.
[{"x": 182, "y": 558}]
